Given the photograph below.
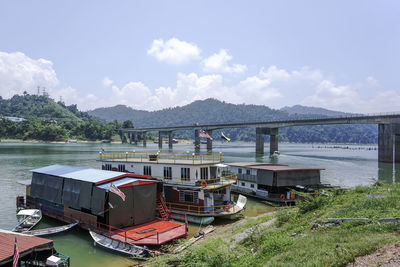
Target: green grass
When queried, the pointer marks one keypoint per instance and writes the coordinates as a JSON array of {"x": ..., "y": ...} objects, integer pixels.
[{"x": 301, "y": 238}]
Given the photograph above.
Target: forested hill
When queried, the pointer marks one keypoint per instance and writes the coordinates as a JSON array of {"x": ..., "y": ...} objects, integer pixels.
[
  {"x": 214, "y": 111},
  {"x": 39, "y": 106},
  {"x": 45, "y": 119},
  {"x": 303, "y": 110}
]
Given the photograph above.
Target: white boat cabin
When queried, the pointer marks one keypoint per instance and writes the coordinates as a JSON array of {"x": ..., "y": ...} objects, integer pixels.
[{"x": 196, "y": 184}]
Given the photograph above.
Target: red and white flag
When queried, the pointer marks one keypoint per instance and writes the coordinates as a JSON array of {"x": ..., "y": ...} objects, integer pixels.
[
  {"x": 115, "y": 190},
  {"x": 16, "y": 254},
  {"x": 203, "y": 133}
]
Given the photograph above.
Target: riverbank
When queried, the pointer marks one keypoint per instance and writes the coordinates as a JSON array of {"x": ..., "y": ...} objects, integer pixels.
[{"x": 305, "y": 235}]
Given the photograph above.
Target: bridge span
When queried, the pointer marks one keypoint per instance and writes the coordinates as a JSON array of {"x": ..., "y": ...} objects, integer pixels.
[{"x": 388, "y": 132}]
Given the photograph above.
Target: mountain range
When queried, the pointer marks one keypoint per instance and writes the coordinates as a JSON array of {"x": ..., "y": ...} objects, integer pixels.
[{"x": 215, "y": 111}]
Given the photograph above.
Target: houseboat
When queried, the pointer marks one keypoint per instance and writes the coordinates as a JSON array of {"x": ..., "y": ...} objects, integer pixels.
[
  {"x": 273, "y": 182},
  {"x": 125, "y": 207},
  {"x": 32, "y": 251},
  {"x": 196, "y": 184}
]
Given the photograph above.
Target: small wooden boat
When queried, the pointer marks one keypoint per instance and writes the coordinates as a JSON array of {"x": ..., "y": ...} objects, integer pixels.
[
  {"x": 52, "y": 230},
  {"x": 27, "y": 219},
  {"x": 120, "y": 247}
]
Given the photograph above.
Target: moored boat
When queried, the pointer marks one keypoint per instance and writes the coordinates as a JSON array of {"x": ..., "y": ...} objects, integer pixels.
[
  {"x": 119, "y": 246},
  {"x": 52, "y": 230},
  {"x": 196, "y": 184},
  {"x": 273, "y": 182},
  {"x": 27, "y": 219},
  {"x": 121, "y": 205}
]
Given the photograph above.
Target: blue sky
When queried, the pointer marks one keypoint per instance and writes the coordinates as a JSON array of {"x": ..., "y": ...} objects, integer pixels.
[{"x": 341, "y": 55}]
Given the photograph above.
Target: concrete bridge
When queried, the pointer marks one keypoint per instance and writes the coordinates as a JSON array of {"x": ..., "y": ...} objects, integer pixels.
[{"x": 388, "y": 135}]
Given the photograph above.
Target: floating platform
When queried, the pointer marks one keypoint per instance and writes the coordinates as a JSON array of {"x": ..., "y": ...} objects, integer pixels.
[{"x": 156, "y": 232}]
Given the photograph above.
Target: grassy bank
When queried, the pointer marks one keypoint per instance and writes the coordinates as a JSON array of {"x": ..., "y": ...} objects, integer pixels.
[{"x": 301, "y": 236}]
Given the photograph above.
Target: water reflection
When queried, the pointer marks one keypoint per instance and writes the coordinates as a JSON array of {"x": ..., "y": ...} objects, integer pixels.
[{"x": 389, "y": 172}]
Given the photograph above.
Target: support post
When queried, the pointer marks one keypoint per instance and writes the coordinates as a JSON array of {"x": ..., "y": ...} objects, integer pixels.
[
  {"x": 144, "y": 138},
  {"x": 160, "y": 141},
  {"x": 135, "y": 138},
  {"x": 396, "y": 136},
  {"x": 170, "y": 139},
  {"x": 209, "y": 141},
  {"x": 196, "y": 139},
  {"x": 273, "y": 140},
  {"x": 260, "y": 140},
  {"x": 130, "y": 137},
  {"x": 385, "y": 143}
]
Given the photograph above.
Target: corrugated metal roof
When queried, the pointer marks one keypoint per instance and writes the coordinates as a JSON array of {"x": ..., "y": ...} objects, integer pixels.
[
  {"x": 118, "y": 182},
  {"x": 24, "y": 243},
  {"x": 93, "y": 175},
  {"x": 78, "y": 173},
  {"x": 57, "y": 169}
]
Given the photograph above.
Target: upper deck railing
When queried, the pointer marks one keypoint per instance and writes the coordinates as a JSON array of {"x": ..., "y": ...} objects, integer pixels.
[{"x": 194, "y": 158}]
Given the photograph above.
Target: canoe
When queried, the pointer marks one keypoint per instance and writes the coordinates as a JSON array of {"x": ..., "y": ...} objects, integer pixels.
[
  {"x": 120, "y": 247},
  {"x": 27, "y": 219},
  {"x": 203, "y": 220},
  {"x": 52, "y": 230}
]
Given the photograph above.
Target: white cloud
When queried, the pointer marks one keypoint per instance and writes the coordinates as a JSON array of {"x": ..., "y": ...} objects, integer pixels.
[
  {"x": 174, "y": 51},
  {"x": 273, "y": 73},
  {"x": 219, "y": 63},
  {"x": 19, "y": 73},
  {"x": 107, "y": 82},
  {"x": 84, "y": 101},
  {"x": 331, "y": 96}
]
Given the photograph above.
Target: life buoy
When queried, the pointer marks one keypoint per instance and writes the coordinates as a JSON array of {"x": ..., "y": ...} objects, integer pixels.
[
  {"x": 235, "y": 179},
  {"x": 203, "y": 183},
  {"x": 282, "y": 197},
  {"x": 227, "y": 208}
]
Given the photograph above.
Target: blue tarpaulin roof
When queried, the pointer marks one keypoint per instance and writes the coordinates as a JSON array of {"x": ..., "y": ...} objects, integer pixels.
[{"x": 78, "y": 173}]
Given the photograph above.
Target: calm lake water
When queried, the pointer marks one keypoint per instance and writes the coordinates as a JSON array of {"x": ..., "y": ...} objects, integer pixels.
[{"x": 345, "y": 165}]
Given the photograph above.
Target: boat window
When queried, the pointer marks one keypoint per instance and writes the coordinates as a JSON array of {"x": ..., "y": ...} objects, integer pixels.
[
  {"x": 252, "y": 185},
  {"x": 221, "y": 191},
  {"x": 121, "y": 167},
  {"x": 108, "y": 167},
  {"x": 248, "y": 172},
  {"x": 187, "y": 196},
  {"x": 167, "y": 172},
  {"x": 185, "y": 174},
  {"x": 239, "y": 170},
  {"x": 204, "y": 173},
  {"x": 147, "y": 170},
  {"x": 243, "y": 184}
]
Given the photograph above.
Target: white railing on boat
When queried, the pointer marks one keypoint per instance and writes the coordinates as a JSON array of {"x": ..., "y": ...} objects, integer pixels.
[{"x": 159, "y": 156}]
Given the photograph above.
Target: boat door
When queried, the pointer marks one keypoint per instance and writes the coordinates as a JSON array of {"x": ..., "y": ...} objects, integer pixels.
[{"x": 208, "y": 201}]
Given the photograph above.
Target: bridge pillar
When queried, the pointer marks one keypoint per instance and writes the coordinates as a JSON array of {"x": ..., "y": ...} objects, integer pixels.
[
  {"x": 123, "y": 137},
  {"x": 135, "y": 138},
  {"x": 144, "y": 136},
  {"x": 196, "y": 139},
  {"x": 130, "y": 137},
  {"x": 385, "y": 143},
  {"x": 170, "y": 139},
  {"x": 273, "y": 141},
  {"x": 260, "y": 140},
  {"x": 160, "y": 141},
  {"x": 209, "y": 141}
]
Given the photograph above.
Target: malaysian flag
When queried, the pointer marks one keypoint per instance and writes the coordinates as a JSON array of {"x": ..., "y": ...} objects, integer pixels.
[
  {"x": 115, "y": 190},
  {"x": 16, "y": 254},
  {"x": 203, "y": 133}
]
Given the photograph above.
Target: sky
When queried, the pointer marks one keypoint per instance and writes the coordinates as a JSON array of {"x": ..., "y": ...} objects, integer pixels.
[{"x": 150, "y": 55}]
